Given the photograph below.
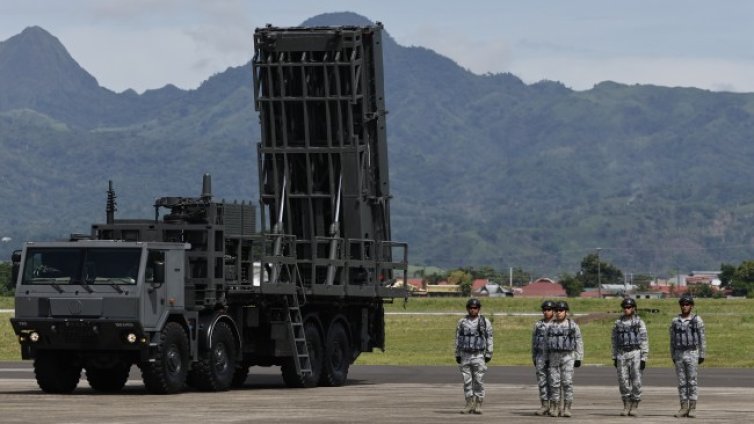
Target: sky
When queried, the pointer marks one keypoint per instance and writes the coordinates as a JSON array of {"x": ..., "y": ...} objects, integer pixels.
[{"x": 146, "y": 44}]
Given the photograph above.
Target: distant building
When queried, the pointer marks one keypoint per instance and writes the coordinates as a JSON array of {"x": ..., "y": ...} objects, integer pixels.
[
  {"x": 478, "y": 285},
  {"x": 543, "y": 287},
  {"x": 649, "y": 295},
  {"x": 610, "y": 291},
  {"x": 493, "y": 290},
  {"x": 443, "y": 290},
  {"x": 415, "y": 287},
  {"x": 704, "y": 277}
]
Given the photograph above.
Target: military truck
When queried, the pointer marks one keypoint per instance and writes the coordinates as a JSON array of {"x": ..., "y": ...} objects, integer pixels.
[{"x": 196, "y": 295}]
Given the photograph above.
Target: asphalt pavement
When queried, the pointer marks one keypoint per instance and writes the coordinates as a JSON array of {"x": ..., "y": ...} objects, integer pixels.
[{"x": 386, "y": 394}]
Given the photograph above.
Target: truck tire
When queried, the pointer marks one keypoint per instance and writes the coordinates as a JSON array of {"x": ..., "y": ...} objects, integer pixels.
[
  {"x": 108, "y": 380},
  {"x": 56, "y": 372},
  {"x": 167, "y": 373},
  {"x": 216, "y": 367},
  {"x": 314, "y": 345},
  {"x": 337, "y": 357},
  {"x": 240, "y": 376}
]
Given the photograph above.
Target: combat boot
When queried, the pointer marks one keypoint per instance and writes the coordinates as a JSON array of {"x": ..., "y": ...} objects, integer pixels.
[
  {"x": 626, "y": 408},
  {"x": 633, "y": 408},
  {"x": 684, "y": 411},
  {"x": 544, "y": 409},
  {"x": 553, "y": 411},
  {"x": 470, "y": 401},
  {"x": 692, "y": 409},
  {"x": 478, "y": 406},
  {"x": 566, "y": 409}
]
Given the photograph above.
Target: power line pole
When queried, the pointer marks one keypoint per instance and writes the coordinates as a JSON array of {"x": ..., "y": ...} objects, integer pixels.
[{"x": 599, "y": 273}]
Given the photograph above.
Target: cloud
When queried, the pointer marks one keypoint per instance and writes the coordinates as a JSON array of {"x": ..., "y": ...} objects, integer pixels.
[
  {"x": 146, "y": 59},
  {"x": 583, "y": 73},
  {"x": 145, "y": 44},
  {"x": 134, "y": 10},
  {"x": 478, "y": 55},
  {"x": 151, "y": 43},
  {"x": 582, "y": 66}
]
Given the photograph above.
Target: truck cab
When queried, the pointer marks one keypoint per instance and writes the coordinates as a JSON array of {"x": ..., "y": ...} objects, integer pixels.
[{"x": 95, "y": 304}]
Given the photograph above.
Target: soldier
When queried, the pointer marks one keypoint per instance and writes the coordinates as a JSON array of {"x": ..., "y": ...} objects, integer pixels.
[
  {"x": 473, "y": 351},
  {"x": 687, "y": 347},
  {"x": 565, "y": 350},
  {"x": 630, "y": 350},
  {"x": 538, "y": 357}
]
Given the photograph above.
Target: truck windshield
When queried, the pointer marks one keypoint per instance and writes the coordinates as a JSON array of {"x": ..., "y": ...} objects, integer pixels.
[{"x": 81, "y": 266}]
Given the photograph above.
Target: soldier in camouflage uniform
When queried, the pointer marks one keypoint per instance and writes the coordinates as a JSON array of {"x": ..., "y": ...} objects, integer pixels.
[
  {"x": 473, "y": 351},
  {"x": 565, "y": 350},
  {"x": 687, "y": 348},
  {"x": 630, "y": 350},
  {"x": 538, "y": 357}
]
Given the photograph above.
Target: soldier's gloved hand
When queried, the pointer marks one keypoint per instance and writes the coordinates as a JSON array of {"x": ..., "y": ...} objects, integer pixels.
[
  {"x": 701, "y": 360},
  {"x": 577, "y": 363},
  {"x": 487, "y": 359},
  {"x": 547, "y": 364},
  {"x": 458, "y": 359},
  {"x": 642, "y": 365},
  {"x": 534, "y": 361},
  {"x": 615, "y": 363}
]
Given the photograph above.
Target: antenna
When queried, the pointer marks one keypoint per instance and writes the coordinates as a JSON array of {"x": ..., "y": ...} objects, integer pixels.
[
  {"x": 206, "y": 188},
  {"x": 110, "y": 209}
]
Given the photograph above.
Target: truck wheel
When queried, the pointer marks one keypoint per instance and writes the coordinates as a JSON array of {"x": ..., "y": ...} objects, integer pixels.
[
  {"x": 167, "y": 373},
  {"x": 314, "y": 345},
  {"x": 239, "y": 376},
  {"x": 56, "y": 372},
  {"x": 337, "y": 357},
  {"x": 216, "y": 367},
  {"x": 108, "y": 380}
]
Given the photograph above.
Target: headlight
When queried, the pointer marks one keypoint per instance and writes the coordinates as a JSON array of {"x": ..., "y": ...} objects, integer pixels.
[
  {"x": 34, "y": 336},
  {"x": 131, "y": 338}
]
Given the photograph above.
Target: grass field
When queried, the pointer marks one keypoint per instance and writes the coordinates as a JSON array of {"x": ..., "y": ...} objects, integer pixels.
[{"x": 428, "y": 339}]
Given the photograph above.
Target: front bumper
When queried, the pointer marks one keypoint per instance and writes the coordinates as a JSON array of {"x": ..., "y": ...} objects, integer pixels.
[{"x": 82, "y": 335}]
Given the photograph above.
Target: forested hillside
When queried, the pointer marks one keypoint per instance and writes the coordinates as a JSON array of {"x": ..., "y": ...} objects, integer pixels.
[{"x": 485, "y": 170}]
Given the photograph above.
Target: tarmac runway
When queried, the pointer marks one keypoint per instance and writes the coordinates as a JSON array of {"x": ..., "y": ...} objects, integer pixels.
[{"x": 387, "y": 394}]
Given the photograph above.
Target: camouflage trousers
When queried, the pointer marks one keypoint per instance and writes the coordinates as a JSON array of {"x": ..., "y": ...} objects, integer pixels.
[
  {"x": 561, "y": 375},
  {"x": 540, "y": 369},
  {"x": 629, "y": 375},
  {"x": 472, "y": 369},
  {"x": 686, "y": 364}
]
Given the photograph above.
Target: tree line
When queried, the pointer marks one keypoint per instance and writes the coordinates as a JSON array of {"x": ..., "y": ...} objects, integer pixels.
[
  {"x": 6, "y": 286},
  {"x": 736, "y": 280}
]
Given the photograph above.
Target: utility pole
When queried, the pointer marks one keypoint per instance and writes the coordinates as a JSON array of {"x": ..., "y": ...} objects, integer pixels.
[{"x": 599, "y": 273}]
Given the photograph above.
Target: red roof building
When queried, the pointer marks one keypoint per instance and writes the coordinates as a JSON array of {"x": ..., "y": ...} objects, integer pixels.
[
  {"x": 478, "y": 284},
  {"x": 543, "y": 287},
  {"x": 417, "y": 283}
]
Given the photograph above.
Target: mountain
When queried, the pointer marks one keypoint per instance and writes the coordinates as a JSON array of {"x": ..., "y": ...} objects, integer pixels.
[{"x": 485, "y": 169}]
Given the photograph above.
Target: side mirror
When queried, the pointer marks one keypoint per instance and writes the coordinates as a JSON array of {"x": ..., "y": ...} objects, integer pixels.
[
  {"x": 159, "y": 273},
  {"x": 15, "y": 264}
]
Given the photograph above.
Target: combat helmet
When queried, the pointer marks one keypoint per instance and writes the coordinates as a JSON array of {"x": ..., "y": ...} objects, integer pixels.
[
  {"x": 561, "y": 304},
  {"x": 473, "y": 302},
  {"x": 548, "y": 304},
  {"x": 686, "y": 298},
  {"x": 628, "y": 303}
]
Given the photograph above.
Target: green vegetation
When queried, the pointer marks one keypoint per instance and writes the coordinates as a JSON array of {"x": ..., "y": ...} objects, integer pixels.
[
  {"x": 9, "y": 348},
  {"x": 6, "y": 302},
  {"x": 428, "y": 339},
  {"x": 486, "y": 170},
  {"x": 5, "y": 279}
]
